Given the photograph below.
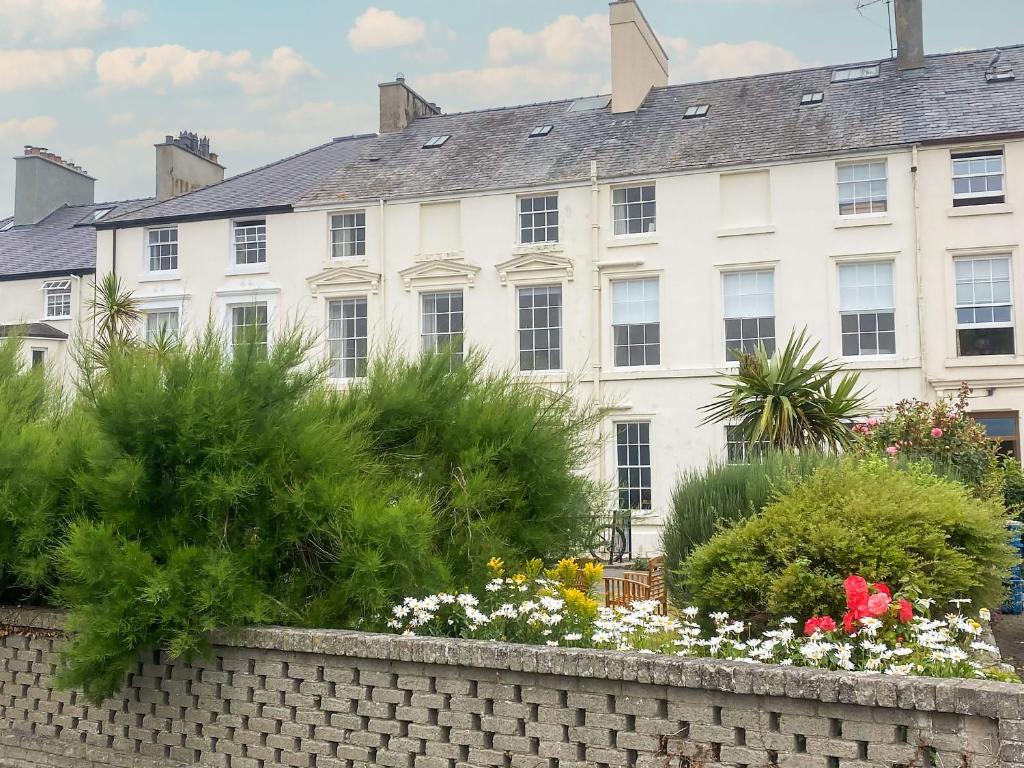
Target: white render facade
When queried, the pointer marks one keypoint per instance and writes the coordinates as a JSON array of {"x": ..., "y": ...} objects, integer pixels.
[{"x": 764, "y": 243}]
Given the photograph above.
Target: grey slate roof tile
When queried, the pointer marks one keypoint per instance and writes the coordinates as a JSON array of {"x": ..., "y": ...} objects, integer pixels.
[
  {"x": 60, "y": 243},
  {"x": 752, "y": 120},
  {"x": 33, "y": 331}
]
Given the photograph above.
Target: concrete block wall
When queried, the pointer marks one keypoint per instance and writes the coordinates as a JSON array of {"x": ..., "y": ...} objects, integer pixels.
[{"x": 337, "y": 699}]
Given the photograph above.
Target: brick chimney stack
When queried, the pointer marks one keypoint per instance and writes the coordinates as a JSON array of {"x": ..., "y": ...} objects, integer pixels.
[
  {"x": 400, "y": 105},
  {"x": 184, "y": 164},
  {"x": 44, "y": 182},
  {"x": 639, "y": 63},
  {"x": 909, "y": 34}
]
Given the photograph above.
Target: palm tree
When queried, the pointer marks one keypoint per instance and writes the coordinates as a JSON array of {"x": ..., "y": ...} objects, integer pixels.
[
  {"x": 790, "y": 400},
  {"x": 116, "y": 312}
]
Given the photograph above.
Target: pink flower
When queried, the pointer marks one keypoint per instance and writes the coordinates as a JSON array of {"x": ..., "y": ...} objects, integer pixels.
[
  {"x": 906, "y": 611},
  {"x": 936, "y": 432},
  {"x": 878, "y": 604},
  {"x": 872, "y": 422},
  {"x": 892, "y": 450}
]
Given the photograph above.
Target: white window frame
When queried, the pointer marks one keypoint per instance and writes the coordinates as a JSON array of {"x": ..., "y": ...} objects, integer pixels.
[
  {"x": 42, "y": 354},
  {"x": 546, "y": 212},
  {"x": 253, "y": 233},
  {"x": 851, "y": 74},
  {"x": 151, "y": 334},
  {"x": 534, "y": 329},
  {"x": 53, "y": 289},
  {"x": 176, "y": 255},
  {"x": 255, "y": 304},
  {"x": 358, "y": 244},
  {"x": 339, "y": 370},
  {"x": 620, "y": 280},
  {"x": 844, "y": 311},
  {"x": 624, "y": 205},
  {"x": 965, "y": 199},
  {"x": 638, "y": 466},
  {"x": 734, "y": 274},
  {"x": 975, "y": 304},
  {"x": 743, "y": 448},
  {"x": 870, "y": 199},
  {"x": 431, "y": 341}
]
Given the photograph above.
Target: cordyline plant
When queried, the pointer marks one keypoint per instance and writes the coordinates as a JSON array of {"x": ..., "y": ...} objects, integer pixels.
[{"x": 790, "y": 400}]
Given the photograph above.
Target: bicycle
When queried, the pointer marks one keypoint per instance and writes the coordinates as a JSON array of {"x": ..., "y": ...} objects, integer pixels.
[{"x": 608, "y": 540}]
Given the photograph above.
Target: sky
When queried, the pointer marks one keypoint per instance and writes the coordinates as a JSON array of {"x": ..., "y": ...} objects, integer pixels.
[{"x": 101, "y": 81}]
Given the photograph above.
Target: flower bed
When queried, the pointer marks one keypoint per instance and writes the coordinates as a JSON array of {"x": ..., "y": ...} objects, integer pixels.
[{"x": 880, "y": 632}]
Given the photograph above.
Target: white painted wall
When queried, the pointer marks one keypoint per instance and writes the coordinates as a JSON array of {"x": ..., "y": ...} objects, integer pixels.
[
  {"x": 23, "y": 301},
  {"x": 798, "y": 233}
]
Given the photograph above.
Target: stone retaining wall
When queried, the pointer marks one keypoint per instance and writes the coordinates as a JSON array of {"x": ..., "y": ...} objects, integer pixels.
[{"x": 336, "y": 699}]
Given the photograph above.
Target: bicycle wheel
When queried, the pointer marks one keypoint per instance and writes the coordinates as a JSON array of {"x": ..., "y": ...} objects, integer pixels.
[
  {"x": 601, "y": 542},
  {"x": 616, "y": 545}
]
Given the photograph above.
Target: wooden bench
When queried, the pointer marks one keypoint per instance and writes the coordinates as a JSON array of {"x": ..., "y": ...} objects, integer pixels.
[{"x": 638, "y": 585}]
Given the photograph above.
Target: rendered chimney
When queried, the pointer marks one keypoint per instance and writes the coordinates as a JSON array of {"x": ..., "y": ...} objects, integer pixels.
[
  {"x": 44, "y": 182},
  {"x": 909, "y": 34},
  {"x": 639, "y": 63},
  {"x": 400, "y": 105},
  {"x": 184, "y": 164}
]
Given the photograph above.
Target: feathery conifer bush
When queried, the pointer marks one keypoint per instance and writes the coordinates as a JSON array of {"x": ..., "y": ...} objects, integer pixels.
[{"x": 208, "y": 488}]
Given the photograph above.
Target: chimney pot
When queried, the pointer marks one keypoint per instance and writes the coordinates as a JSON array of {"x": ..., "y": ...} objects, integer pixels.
[{"x": 909, "y": 34}]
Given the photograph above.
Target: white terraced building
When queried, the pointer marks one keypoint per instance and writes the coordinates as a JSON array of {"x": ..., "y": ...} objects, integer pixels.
[{"x": 629, "y": 241}]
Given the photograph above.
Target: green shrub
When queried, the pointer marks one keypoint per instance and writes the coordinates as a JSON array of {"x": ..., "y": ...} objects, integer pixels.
[
  {"x": 721, "y": 494},
  {"x": 910, "y": 529},
  {"x": 220, "y": 489}
]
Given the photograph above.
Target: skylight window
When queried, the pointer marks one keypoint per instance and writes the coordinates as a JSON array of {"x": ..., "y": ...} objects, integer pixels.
[
  {"x": 847, "y": 74},
  {"x": 541, "y": 130},
  {"x": 1002, "y": 76},
  {"x": 812, "y": 98},
  {"x": 96, "y": 215},
  {"x": 698, "y": 110},
  {"x": 436, "y": 141},
  {"x": 590, "y": 103}
]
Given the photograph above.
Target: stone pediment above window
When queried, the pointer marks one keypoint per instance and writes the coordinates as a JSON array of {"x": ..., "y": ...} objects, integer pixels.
[
  {"x": 440, "y": 273},
  {"x": 541, "y": 265},
  {"x": 344, "y": 279}
]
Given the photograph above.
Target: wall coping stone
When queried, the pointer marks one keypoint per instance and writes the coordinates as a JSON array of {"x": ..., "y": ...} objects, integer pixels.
[{"x": 982, "y": 698}]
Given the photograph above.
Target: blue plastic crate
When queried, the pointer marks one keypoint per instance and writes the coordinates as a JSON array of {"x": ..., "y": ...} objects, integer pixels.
[{"x": 1015, "y": 604}]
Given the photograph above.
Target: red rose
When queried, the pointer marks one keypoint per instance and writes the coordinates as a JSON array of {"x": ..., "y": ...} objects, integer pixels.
[
  {"x": 848, "y": 622},
  {"x": 880, "y": 587},
  {"x": 906, "y": 611},
  {"x": 856, "y": 592},
  {"x": 815, "y": 623},
  {"x": 878, "y": 604}
]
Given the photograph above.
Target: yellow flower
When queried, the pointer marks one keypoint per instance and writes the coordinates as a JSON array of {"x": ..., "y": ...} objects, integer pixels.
[
  {"x": 496, "y": 565},
  {"x": 577, "y": 602},
  {"x": 519, "y": 578}
]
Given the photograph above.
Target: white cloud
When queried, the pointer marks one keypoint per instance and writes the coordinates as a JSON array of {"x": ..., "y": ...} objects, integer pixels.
[
  {"x": 23, "y": 69},
  {"x": 273, "y": 74},
  {"x": 122, "y": 118},
  {"x": 515, "y": 84},
  {"x": 175, "y": 65},
  {"x": 30, "y": 129},
  {"x": 163, "y": 65},
  {"x": 723, "y": 60},
  {"x": 566, "y": 41},
  {"x": 58, "y": 21},
  {"x": 377, "y": 28}
]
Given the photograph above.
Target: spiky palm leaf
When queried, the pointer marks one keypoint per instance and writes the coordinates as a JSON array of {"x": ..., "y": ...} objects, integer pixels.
[
  {"x": 790, "y": 400},
  {"x": 115, "y": 311}
]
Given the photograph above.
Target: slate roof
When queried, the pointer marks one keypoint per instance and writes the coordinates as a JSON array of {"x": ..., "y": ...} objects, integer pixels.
[
  {"x": 752, "y": 120},
  {"x": 33, "y": 331},
  {"x": 59, "y": 244}
]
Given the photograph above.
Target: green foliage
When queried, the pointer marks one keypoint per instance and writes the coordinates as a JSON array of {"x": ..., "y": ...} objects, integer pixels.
[
  {"x": 200, "y": 488},
  {"x": 721, "y": 494},
  {"x": 942, "y": 434},
  {"x": 915, "y": 531},
  {"x": 115, "y": 312},
  {"x": 789, "y": 400},
  {"x": 1013, "y": 486}
]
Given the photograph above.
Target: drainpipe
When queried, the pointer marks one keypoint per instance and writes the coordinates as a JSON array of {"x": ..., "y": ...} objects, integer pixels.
[
  {"x": 921, "y": 343},
  {"x": 596, "y": 343},
  {"x": 383, "y": 261}
]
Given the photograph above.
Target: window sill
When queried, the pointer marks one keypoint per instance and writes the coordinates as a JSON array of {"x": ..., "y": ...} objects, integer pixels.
[
  {"x": 523, "y": 249},
  {"x": 980, "y": 361},
  {"x": 252, "y": 269},
  {"x": 623, "y": 241},
  {"x": 865, "y": 220},
  {"x": 156, "y": 277},
  {"x": 56, "y": 319},
  {"x": 637, "y": 369},
  {"x": 554, "y": 373},
  {"x": 994, "y": 209},
  {"x": 766, "y": 229},
  {"x": 350, "y": 260},
  {"x": 878, "y": 362}
]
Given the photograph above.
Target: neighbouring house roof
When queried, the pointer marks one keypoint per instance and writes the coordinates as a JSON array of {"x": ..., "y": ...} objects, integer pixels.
[
  {"x": 62, "y": 243},
  {"x": 33, "y": 331},
  {"x": 751, "y": 120}
]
